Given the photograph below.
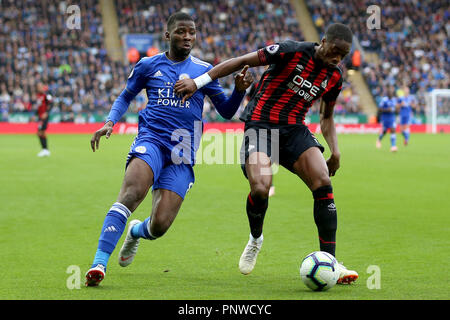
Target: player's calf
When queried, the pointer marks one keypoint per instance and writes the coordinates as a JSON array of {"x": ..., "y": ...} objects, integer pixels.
[
  {"x": 325, "y": 217},
  {"x": 256, "y": 210}
]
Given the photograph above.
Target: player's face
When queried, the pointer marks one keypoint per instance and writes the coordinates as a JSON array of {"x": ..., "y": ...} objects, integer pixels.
[
  {"x": 333, "y": 52},
  {"x": 182, "y": 38}
]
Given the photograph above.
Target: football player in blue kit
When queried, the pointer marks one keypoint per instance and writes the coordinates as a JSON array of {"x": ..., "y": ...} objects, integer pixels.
[
  {"x": 162, "y": 155},
  {"x": 406, "y": 104},
  {"x": 387, "y": 110}
]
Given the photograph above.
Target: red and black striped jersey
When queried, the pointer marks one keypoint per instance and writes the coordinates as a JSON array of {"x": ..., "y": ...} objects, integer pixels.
[
  {"x": 42, "y": 104},
  {"x": 291, "y": 84}
]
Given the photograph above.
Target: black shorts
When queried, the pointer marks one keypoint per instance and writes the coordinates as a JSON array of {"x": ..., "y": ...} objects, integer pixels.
[
  {"x": 42, "y": 125},
  {"x": 282, "y": 143}
]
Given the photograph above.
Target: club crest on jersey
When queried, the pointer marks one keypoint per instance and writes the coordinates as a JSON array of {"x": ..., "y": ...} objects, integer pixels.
[
  {"x": 273, "y": 48},
  {"x": 300, "y": 67},
  {"x": 184, "y": 76},
  {"x": 140, "y": 149},
  {"x": 324, "y": 83}
]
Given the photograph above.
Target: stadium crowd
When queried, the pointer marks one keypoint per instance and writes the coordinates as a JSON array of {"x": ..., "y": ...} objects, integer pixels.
[
  {"x": 406, "y": 55},
  {"x": 36, "y": 45}
]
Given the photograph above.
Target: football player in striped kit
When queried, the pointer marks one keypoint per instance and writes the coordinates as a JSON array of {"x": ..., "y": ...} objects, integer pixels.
[{"x": 299, "y": 73}]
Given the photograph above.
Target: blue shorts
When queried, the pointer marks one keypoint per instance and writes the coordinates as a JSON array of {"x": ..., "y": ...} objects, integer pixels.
[
  {"x": 388, "y": 121},
  {"x": 405, "y": 119},
  {"x": 178, "y": 178},
  {"x": 389, "y": 125}
]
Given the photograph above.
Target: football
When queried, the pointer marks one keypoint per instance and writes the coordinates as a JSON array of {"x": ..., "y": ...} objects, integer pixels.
[{"x": 319, "y": 271}]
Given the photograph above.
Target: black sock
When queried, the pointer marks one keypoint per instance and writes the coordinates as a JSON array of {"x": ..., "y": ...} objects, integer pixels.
[
  {"x": 325, "y": 218},
  {"x": 43, "y": 141},
  {"x": 256, "y": 210}
]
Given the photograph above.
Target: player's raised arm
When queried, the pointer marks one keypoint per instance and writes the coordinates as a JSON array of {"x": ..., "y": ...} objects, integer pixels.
[{"x": 187, "y": 87}]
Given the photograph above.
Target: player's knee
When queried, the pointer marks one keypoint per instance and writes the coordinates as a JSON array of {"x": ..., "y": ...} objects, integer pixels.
[
  {"x": 322, "y": 180},
  {"x": 260, "y": 190},
  {"x": 131, "y": 197}
]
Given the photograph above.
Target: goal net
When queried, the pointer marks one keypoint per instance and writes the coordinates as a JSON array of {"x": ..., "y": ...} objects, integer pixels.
[{"x": 437, "y": 109}]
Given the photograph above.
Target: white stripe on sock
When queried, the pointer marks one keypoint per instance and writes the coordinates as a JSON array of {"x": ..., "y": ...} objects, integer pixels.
[{"x": 120, "y": 208}]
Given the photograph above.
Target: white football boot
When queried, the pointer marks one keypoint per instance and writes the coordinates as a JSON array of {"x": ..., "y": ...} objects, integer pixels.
[
  {"x": 248, "y": 257},
  {"x": 346, "y": 276},
  {"x": 95, "y": 275},
  {"x": 378, "y": 144},
  {"x": 129, "y": 247},
  {"x": 43, "y": 153}
]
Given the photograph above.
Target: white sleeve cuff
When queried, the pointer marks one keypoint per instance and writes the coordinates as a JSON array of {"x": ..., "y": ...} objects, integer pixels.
[{"x": 202, "y": 80}]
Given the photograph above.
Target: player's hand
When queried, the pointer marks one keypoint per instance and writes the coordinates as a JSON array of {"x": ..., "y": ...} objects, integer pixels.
[
  {"x": 243, "y": 79},
  {"x": 333, "y": 164},
  {"x": 185, "y": 88},
  {"x": 106, "y": 130}
]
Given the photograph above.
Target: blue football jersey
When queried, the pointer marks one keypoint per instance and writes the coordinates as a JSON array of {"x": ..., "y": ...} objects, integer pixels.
[
  {"x": 387, "y": 108},
  {"x": 406, "y": 103},
  {"x": 165, "y": 118}
]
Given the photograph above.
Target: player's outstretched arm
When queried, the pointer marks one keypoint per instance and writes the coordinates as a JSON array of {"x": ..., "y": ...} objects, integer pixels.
[
  {"x": 106, "y": 130},
  {"x": 329, "y": 133},
  {"x": 227, "y": 106},
  {"x": 187, "y": 87}
]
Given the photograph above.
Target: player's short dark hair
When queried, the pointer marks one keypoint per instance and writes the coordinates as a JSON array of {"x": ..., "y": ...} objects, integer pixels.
[
  {"x": 177, "y": 16},
  {"x": 339, "y": 31}
]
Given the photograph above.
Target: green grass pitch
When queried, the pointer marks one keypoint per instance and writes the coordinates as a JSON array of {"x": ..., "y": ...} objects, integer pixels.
[{"x": 393, "y": 217}]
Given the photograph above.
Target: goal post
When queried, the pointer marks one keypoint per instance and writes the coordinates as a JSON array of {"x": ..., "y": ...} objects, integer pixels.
[{"x": 438, "y": 108}]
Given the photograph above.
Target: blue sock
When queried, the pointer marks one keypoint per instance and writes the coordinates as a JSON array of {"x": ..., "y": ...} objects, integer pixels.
[
  {"x": 393, "y": 140},
  {"x": 406, "y": 134},
  {"x": 141, "y": 230},
  {"x": 113, "y": 227},
  {"x": 101, "y": 258}
]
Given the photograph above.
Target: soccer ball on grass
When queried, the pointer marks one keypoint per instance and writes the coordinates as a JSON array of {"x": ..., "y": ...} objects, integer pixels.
[{"x": 319, "y": 271}]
